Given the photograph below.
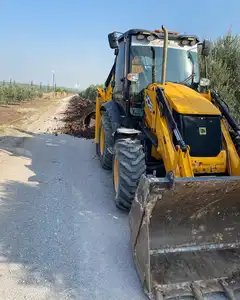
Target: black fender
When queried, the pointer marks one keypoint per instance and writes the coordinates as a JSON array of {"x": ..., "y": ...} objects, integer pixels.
[{"x": 114, "y": 112}]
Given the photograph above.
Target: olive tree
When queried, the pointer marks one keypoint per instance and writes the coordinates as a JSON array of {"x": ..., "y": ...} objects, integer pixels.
[{"x": 223, "y": 69}]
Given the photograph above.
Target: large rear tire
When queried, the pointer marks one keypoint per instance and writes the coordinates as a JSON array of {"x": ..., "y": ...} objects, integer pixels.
[
  {"x": 105, "y": 142},
  {"x": 128, "y": 166}
]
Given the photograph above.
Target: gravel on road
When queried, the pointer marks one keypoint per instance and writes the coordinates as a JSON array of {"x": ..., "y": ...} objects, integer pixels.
[{"x": 61, "y": 236}]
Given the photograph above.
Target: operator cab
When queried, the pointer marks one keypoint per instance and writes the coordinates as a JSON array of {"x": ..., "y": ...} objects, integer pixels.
[{"x": 139, "y": 62}]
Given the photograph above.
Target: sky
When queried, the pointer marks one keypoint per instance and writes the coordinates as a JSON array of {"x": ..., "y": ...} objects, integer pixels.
[{"x": 69, "y": 37}]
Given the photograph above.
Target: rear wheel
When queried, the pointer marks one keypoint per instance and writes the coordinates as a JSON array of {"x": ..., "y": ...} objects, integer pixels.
[
  {"x": 128, "y": 166},
  {"x": 105, "y": 141}
]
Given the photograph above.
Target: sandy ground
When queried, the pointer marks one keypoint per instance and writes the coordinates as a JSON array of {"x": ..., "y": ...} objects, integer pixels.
[
  {"x": 61, "y": 236},
  {"x": 27, "y": 115}
]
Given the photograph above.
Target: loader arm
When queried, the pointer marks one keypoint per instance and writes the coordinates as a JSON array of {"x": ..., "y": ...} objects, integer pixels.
[
  {"x": 233, "y": 157},
  {"x": 161, "y": 123},
  {"x": 103, "y": 95}
]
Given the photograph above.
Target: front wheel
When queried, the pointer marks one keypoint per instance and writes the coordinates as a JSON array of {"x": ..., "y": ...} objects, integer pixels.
[{"x": 128, "y": 166}]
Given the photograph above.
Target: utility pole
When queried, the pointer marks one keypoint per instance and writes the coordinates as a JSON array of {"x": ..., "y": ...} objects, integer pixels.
[{"x": 53, "y": 82}]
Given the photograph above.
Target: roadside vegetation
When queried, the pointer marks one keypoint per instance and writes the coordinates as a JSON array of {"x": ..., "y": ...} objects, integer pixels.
[
  {"x": 91, "y": 92},
  {"x": 12, "y": 92},
  {"x": 15, "y": 93},
  {"x": 223, "y": 69}
]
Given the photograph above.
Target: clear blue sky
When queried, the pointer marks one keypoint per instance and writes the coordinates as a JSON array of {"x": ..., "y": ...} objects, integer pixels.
[{"x": 70, "y": 36}]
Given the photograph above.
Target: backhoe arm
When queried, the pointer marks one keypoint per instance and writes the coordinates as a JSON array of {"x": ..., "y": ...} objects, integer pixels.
[
  {"x": 233, "y": 156},
  {"x": 164, "y": 127},
  {"x": 103, "y": 95}
]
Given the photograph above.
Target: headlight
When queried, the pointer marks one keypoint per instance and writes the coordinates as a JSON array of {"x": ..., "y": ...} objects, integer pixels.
[
  {"x": 151, "y": 38},
  {"x": 140, "y": 37},
  {"x": 184, "y": 42},
  {"x": 193, "y": 42},
  {"x": 189, "y": 42}
]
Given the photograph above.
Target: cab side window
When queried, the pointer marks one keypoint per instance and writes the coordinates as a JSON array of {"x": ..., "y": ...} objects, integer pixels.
[{"x": 119, "y": 73}]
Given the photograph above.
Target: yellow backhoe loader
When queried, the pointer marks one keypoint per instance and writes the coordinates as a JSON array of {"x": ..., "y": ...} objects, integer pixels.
[{"x": 174, "y": 149}]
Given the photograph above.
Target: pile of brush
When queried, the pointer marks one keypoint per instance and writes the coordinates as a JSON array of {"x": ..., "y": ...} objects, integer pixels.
[{"x": 79, "y": 118}]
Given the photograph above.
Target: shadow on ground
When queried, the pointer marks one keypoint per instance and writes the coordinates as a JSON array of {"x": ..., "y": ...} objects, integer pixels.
[
  {"x": 59, "y": 228},
  {"x": 30, "y": 234}
]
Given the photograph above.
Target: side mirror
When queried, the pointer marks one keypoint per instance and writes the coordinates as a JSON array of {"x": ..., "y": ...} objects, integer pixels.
[
  {"x": 112, "y": 39},
  {"x": 206, "y": 48}
]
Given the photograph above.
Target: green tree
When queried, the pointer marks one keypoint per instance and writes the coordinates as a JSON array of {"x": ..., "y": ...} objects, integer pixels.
[
  {"x": 91, "y": 92},
  {"x": 223, "y": 69}
]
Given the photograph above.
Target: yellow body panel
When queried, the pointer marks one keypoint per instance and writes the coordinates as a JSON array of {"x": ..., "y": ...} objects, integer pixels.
[
  {"x": 207, "y": 95},
  {"x": 210, "y": 165},
  {"x": 187, "y": 101},
  {"x": 174, "y": 159},
  {"x": 101, "y": 98},
  {"x": 155, "y": 153}
]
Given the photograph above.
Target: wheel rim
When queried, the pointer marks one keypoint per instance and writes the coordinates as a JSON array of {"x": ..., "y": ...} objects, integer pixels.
[
  {"x": 101, "y": 140},
  {"x": 115, "y": 174}
]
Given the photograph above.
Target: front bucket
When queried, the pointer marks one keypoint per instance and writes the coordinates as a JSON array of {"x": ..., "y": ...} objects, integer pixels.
[{"x": 185, "y": 234}]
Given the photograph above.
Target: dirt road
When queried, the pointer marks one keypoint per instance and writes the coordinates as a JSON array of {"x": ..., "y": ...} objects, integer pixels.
[{"x": 61, "y": 236}]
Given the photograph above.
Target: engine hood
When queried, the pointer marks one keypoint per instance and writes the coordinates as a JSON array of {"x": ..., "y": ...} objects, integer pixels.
[{"x": 185, "y": 100}]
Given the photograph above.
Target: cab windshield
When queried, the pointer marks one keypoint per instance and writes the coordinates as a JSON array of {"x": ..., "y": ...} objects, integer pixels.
[{"x": 147, "y": 61}]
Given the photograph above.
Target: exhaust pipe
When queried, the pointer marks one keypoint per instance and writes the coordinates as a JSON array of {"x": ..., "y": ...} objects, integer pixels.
[{"x": 165, "y": 49}]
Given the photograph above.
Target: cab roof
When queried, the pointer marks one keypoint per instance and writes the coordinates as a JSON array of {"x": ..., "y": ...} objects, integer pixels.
[{"x": 158, "y": 33}]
